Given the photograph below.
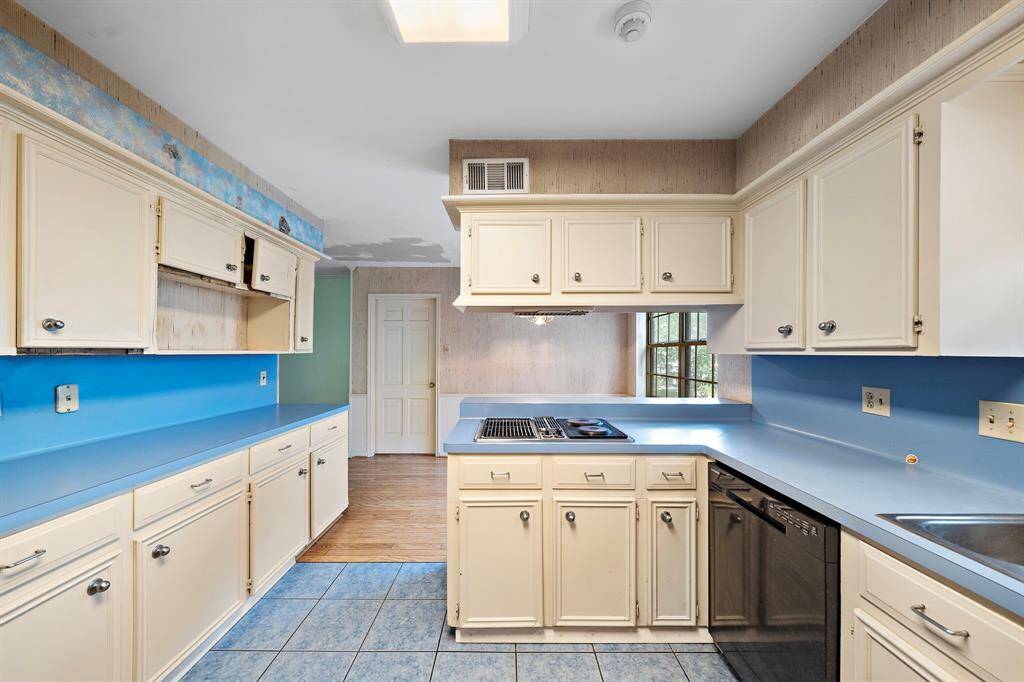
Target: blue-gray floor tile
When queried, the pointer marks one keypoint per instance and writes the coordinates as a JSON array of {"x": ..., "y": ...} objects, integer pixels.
[
  {"x": 335, "y": 625},
  {"x": 308, "y": 666},
  {"x": 229, "y": 666},
  {"x": 619, "y": 667},
  {"x": 706, "y": 667},
  {"x": 305, "y": 581},
  {"x": 637, "y": 647},
  {"x": 558, "y": 647},
  {"x": 406, "y": 625},
  {"x": 391, "y": 666},
  {"x": 363, "y": 581},
  {"x": 695, "y": 648},
  {"x": 461, "y": 666},
  {"x": 448, "y": 643},
  {"x": 267, "y": 626},
  {"x": 554, "y": 666},
  {"x": 420, "y": 581}
]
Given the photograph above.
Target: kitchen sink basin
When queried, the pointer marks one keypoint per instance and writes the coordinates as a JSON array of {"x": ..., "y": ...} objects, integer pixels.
[{"x": 996, "y": 540}]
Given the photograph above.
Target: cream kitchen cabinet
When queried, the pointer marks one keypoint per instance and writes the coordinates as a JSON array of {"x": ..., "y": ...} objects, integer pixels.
[
  {"x": 328, "y": 484},
  {"x": 279, "y": 518},
  {"x": 500, "y": 573},
  {"x": 86, "y": 245},
  {"x": 305, "y": 288},
  {"x": 509, "y": 254},
  {"x": 191, "y": 576},
  {"x": 672, "y": 564},
  {"x": 691, "y": 254},
  {"x": 8, "y": 241},
  {"x": 776, "y": 235},
  {"x": 192, "y": 240},
  {"x": 273, "y": 268},
  {"x": 601, "y": 254}
]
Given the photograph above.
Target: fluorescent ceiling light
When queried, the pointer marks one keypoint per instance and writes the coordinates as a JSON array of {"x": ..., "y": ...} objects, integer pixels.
[{"x": 456, "y": 21}]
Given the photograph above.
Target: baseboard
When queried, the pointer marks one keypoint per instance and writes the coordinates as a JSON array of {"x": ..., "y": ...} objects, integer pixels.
[{"x": 584, "y": 635}]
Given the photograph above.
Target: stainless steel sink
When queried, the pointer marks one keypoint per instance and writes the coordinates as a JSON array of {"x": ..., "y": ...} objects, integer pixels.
[{"x": 996, "y": 540}]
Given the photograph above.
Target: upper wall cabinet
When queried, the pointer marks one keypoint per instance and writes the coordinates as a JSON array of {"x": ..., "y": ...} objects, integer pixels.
[
  {"x": 305, "y": 283},
  {"x": 194, "y": 241},
  {"x": 864, "y": 242},
  {"x": 692, "y": 254},
  {"x": 86, "y": 250},
  {"x": 273, "y": 268},
  {"x": 601, "y": 254},
  {"x": 509, "y": 254}
]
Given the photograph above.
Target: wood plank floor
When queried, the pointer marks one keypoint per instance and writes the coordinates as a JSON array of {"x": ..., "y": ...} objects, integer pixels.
[{"x": 396, "y": 512}]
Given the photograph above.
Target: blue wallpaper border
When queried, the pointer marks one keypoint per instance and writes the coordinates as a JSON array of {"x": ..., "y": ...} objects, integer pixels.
[{"x": 56, "y": 87}]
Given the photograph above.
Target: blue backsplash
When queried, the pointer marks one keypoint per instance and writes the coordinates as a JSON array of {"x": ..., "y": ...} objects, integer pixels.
[
  {"x": 121, "y": 394},
  {"x": 934, "y": 407},
  {"x": 56, "y": 87}
]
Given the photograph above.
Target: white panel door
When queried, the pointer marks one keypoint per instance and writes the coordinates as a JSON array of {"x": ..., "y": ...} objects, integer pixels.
[
  {"x": 510, "y": 255},
  {"x": 404, "y": 375},
  {"x": 329, "y": 485},
  {"x": 691, "y": 254},
  {"x": 273, "y": 268},
  {"x": 776, "y": 229},
  {"x": 86, "y": 247},
  {"x": 864, "y": 243},
  {"x": 673, "y": 562},
  {"x": 305, "y": 292},
  {"x": 196, "y": 242},
  {"x": 601, "y": 254}
]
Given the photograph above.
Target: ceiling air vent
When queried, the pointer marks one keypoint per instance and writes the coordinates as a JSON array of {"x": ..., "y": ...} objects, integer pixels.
[{"x": 495, "y": 176}]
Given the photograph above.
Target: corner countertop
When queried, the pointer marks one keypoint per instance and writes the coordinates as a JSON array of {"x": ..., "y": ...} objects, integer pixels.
[
  {"x": 42, "y": 486},
  {"x": 851, "y": 486}
]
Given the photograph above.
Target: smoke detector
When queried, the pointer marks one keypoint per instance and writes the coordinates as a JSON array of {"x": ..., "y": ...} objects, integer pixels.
[{"x": 632, "y": 20}]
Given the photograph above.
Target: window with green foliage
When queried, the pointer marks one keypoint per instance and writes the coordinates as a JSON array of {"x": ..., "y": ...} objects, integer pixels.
[{"x": 678, "y": 362}]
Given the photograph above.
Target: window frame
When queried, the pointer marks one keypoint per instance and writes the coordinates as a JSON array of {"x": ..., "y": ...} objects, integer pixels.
[{"x": 686, "y": 375}]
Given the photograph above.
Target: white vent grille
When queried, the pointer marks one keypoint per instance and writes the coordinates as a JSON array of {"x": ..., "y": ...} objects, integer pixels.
[{"x": 495, "y": 176}]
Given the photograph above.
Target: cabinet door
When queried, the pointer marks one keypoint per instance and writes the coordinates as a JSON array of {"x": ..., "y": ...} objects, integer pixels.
[
  {"x": 692, "y": 254},
  {"x": 305, "y": 286},
  {"x": 595, "y": 561},
  {"x": 510, "y": 255},
  {"x": 601, "y": 254},
  {"x": 273, "y": 269},
  {"x": 279, "y": 518},
  {"x": 880, "y": 655},
  {"x": 501, "y": 574},
  {"x": 8, "y": 241},
  {"x": 73, "y": 625},
  {"x": 864, "y": 236},
  {"x": 673, "y": 562},
  {"x": 329, "y": 484},
  {"x": 191, "y": 576},
  {"x": 85, "y": 253},
  {"x": 193, "y": 241},
  {"x": 775, "y": 270}
]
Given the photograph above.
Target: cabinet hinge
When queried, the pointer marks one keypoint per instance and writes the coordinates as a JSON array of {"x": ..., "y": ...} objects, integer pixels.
[
  {"x": 918, "y": 324},
  {"x": 641, "y": 227},
  {"x": 458, "y": 609},
  {"x": 157, "y": 248},
  {"x": 637, "y": 608},
  {"x": 248, "y": 585},
  {"x": 732, "y": 228},
  {"x": 159, "y": 210},
  {"x": 698, "y": 611},
  {"x": 918, "y": 135},
  {"x": 637, "y": 504},
  {"x": 696, "y": 510},
  {"x": 469, "y": 282},
  {"x": 732, "y": 280},
  {"x": 641, "y": 280},
  {"x": 456, "y": 514},
  {"x": 469, "y": 231},
  {"x": 248, "y": 497}
]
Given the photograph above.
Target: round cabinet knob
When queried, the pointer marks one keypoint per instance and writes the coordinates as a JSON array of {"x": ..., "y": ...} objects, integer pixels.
[
  {"x": 570, "y": 516},
  {"x": 666, "y": 517},
  {"x": 736, "y": 517},
  {"x": 264, "y": 278},
  {"x": 320, "y": 461},
  {"x": 53, "y": 325},
  {"x": 786, "y": 329},
  {"x": 97, "y": 586},
  {"x": 535, "y": 279},
  {"x": 304, "y": 339},
  {"x": 577, "y": 277},
  {"x": 666, "y": 276},
  {"x": 827, "y": 326},
  {"x": 432, "y": 384},
  {"x": 161, "y": 551},
  {"x": 303, "y": 471},
  {"x": 230, "y": 267},
  {"x": 524, "y": 516}
]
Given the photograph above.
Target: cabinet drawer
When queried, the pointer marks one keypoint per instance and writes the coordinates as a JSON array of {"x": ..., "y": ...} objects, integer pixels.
[
  {"x": 328, "y": 429},
  {"x": 994, "y": 643},
  {"x": 51, "y": 545},
  {"x": 272, "y": 451},
  {"x": 671, "y": 473},
  {"x": 500, "y": 472},
  {"x": 607, "y": 472},
  {"x": 159, "y": 499}
]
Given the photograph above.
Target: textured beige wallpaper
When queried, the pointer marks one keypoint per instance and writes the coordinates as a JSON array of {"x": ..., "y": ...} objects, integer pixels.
[{"x": 899, "y": 36}]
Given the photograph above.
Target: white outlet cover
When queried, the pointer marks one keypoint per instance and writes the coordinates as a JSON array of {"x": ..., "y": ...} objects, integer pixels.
[
  {"x": 263, "y": 377},
  {"x": 1001, "y": 420},
  {"x": 875, "y": 400}
]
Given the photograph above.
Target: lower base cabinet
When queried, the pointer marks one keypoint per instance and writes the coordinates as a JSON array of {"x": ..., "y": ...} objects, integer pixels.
[
  {"x": 191, "y": 575},
  {"x": 278, "y": 518},
  {"x": 329, "y": 484},
  {"x": 673, "y": 562},
  {"x": 881, "y": 655}
]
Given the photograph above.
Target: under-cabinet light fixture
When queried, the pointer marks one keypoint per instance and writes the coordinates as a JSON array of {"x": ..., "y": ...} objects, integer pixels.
[{"x": 456, "y": 21}]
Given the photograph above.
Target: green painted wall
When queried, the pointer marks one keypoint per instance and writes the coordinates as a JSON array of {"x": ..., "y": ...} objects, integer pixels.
[{"x": 322, "y": 376}]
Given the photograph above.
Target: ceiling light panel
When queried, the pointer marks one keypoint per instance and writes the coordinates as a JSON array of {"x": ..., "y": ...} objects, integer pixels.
[{"x": 456, "y": 21}]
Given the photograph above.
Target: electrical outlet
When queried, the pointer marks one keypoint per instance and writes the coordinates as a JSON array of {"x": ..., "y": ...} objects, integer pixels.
[
  {"x": 65, "y": 398},
  {"x": 263, "y": 377},
  {"x": 1001, "y": 420},
  {"x": 875, "y": 400}
]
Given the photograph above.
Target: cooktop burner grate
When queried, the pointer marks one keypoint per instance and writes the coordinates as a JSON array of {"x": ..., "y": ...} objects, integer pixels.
[{"x": 519, "y": 428}]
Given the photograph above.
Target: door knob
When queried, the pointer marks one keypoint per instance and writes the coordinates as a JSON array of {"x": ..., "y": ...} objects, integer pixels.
[
  {"x": 786, "y": 329},
  {"x": 524, "y": 516},
  {"x": 666, "y": 276},
  {"x": 161, "y": 551},
  {"x": 97, "y": 586},
  {"x": 666, "y": 517},
  {"x": 827, "y": 326},
  {"x": 570, "y": 516},
  {"x": 577, "y": 277},
  {"x": 535, "y": 279},
  {"x": 53, "y": 325}
]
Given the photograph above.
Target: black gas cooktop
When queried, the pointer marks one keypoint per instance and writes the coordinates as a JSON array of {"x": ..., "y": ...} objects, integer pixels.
[{"x": 548, "y": 428}]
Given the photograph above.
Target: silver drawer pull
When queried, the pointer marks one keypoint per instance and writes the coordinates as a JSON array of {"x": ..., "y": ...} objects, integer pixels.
[
  {"x": 828, "y": 326},
  {"x": 332, "y": 428},
  {"x": 264, "y": 278},
  {"x": 666, "y": 517},
  {"x": 320, "y": 460},
  {"x": 673, "y": 474},
  {"x": 197, "y": 486},
  {"x": 498, "y": 474},
  {"x": 919, "y": 610},
  {"x": 53, "y": 325},
  {"x": 31, "y": 557},
  {"x": 286, "y": 447},
  {"x": 303, "y": 339},
  {"x": 97, "y": 586},
  {"x": 587, "y": 475},
  {"x": 666, "y": 276},
  {"x": 524, "y": 516},
  {"x": 230, "y": 267},
  {"x": 786, "y": 329},
  {"x": 160, "y": 551},
  {"x": 303, "y": 471}
]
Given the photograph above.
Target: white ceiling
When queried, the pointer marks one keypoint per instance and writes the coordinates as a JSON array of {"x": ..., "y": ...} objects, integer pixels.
[{"x": 319, "y": 98}]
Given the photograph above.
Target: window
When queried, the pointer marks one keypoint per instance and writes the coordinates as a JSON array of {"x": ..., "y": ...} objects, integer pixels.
[{"x": 678, "y": 361}]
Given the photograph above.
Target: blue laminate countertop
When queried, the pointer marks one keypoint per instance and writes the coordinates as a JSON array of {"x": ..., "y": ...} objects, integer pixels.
[
  {"x": 42, "y": 486},
  {"x": 848, "y": 485}
]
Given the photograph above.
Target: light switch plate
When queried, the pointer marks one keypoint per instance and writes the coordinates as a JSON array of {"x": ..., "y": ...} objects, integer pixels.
[
  {"x": 1001, "y": 420},
  {"x": 66, "y": 398},
  {"x": 875, "y": 400}
]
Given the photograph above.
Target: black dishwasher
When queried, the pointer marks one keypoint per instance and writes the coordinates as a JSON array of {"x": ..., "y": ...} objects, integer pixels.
[{"x": 774, "y": 574}]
